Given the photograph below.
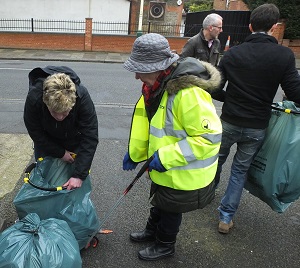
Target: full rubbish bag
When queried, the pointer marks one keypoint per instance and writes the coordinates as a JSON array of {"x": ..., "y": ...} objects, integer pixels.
[
  {"x": 75, "y": 206},
  {"x": 35, "y": 243},
  {"x": 274, "y": 173}
]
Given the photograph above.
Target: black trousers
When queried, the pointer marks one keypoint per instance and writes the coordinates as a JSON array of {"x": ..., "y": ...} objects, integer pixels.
[{"x": 166, "y": 222}]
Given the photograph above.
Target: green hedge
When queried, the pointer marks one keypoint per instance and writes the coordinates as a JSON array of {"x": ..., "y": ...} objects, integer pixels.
[{"x": 289, "y": 10}]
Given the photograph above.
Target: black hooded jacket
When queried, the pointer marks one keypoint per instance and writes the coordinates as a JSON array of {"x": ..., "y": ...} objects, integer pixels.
[
  {"x": 254, "y": 70},
  {"x": 77, "y": 133}
]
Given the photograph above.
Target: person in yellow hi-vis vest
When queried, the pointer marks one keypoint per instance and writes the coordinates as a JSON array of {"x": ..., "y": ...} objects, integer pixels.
[{"x": 176, "y": 122}]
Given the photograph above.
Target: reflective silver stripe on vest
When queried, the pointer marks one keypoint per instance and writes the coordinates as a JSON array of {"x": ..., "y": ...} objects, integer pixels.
[
  {"x": 198, "y": 164},
  {"x": 183, "y": 144},
  {"x": 186, "y": 151},
  {"x": 213, "y": 138},
  {"x": 170, "y": 131}
]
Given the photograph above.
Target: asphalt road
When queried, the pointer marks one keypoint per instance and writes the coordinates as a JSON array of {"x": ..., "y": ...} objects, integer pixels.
[{"x": 260, "y": 238}]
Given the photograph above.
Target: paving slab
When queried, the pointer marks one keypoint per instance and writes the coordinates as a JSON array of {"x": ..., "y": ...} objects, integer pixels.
[{"x": 16, "y": 153}]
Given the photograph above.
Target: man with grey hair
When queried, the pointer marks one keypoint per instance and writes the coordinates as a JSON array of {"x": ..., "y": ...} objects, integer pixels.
[{"x": 205, "y": 45}]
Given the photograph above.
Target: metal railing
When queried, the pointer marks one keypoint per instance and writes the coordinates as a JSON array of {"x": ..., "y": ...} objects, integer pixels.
[
  {"x": 33, "y": 25},
  {"x": 165, "y": 29},
  {"x": 237, "y": 32},
  {"x": 116, "y": 28}
]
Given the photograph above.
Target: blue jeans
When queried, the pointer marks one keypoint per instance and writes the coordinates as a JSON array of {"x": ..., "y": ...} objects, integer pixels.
[{"x": 248, "y": 141}]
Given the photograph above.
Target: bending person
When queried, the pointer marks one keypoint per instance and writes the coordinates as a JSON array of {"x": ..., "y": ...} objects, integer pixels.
[{"x": 61, "y": 120}]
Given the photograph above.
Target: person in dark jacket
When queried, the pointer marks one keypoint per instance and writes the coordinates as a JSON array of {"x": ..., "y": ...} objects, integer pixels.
[
  {"x": 176, "y": 123},
  {"x": 254, "y": 70},
  {"x": 205, "y": 45},
  {"x": 61, "y": 120}
]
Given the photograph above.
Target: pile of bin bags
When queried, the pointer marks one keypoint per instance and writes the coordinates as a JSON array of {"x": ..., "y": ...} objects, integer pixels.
[
  {"x": 74, "y": 207},
  {"x": 274, "y": 174},
  {"x": 33, "y": 243}
]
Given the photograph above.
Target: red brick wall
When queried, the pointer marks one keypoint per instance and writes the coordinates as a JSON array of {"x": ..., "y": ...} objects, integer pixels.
[
  {"x": 279, "y": 31},
  {"x": 238, "y": 5},
  {"x": 105, "y": 43},
  {"x": 294, "y": 45},
  {"x": 88, "y": 34},
  {"x": 233, "y": 5},
  {"x": 42, "y": 41},
  {"x": 219, "y": 5}
]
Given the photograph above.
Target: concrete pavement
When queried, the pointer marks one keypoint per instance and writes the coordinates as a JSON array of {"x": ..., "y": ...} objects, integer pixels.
[{"x": 52, "y": 55}]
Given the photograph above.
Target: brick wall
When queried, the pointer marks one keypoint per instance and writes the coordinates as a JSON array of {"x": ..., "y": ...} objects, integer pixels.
[
  {"x": 173, "y": 13},
  {"x": 76, "y": 42},
  {"x": 233, "y": 5},
  {"x": 49, "y": 41},
  {"x": 102, "y": 43}
]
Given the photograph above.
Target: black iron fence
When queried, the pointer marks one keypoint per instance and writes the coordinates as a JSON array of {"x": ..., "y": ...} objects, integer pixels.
[
  {"x": 118, "y": 28},
  {"x": 237, "y": 29},
  {"x": 165, "y": 29},
  {"x": 33, "y": 25}
]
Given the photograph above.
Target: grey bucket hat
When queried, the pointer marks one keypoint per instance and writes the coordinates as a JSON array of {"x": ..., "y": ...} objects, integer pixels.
[{"x": 150, "y": 53}]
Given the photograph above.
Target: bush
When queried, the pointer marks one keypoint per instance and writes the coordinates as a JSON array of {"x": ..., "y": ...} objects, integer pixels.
[{"x": 289, "y": 10}]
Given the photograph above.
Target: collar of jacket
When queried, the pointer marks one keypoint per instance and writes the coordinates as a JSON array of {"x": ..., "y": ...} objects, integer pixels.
[
  {"x": 215, "y": 42},
  {"x": 49, "y": 70},
  {"x": 191, "y": 72},
  {"x": 261, "y": 38}
]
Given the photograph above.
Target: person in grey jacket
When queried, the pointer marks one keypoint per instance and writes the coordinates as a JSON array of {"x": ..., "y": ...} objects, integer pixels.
[
  {"x": 61, "y": 120},
  {"x": 205, "y": 45}
]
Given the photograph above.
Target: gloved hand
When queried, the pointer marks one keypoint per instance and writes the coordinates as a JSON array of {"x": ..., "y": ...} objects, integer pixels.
[
  {"x": 156, "y": 164},
  {"x": 128, "y": 164}
]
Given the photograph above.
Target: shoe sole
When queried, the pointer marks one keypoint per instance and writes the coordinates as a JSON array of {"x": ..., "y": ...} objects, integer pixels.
[
  {"x": 144, "y": 240},
  {"x": 158, "y": 258},
  {"x": 225, "y": 231}
]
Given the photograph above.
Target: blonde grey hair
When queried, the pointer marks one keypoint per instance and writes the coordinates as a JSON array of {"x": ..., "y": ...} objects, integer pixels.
[
  {"x": 211, "y": 19},
  {"x": 59, "y": 92}
]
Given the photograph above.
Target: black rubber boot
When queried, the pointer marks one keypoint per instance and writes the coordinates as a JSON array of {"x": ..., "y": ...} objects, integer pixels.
[
  {"x": 143, "y": 236},
  {"x": 164, "y": 246},
  {"x": 149, "y": 233}
]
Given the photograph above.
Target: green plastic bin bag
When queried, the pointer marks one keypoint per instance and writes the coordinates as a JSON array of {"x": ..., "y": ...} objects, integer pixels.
[
  {"x": 75, "y": 206},
  {"x": 274, "y": 175},
  {"x": 35, "y": 243}
]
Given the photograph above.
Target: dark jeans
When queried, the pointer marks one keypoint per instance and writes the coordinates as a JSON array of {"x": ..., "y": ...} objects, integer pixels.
[{"x": 248, "y": 141}]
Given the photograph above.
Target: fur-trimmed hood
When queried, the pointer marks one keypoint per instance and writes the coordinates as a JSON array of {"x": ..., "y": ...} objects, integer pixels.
[{"x": 191, "y": 72}]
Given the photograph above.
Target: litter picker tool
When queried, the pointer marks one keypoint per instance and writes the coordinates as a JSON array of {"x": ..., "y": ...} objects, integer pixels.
[
  {"x": 50, "y": 189},
  {"x": 27, "y": 180},
  {"x": 286, "y": 110},
  {"x": 118, "y": 202},
  {"x": 140, "y": 173}
]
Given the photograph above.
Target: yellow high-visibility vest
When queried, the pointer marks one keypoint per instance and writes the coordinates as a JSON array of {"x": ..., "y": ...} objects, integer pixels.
[{"x": 186, "y": 131}]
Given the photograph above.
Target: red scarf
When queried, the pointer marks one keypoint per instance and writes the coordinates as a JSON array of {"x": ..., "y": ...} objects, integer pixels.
[{"x": 149, "y": 91}]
